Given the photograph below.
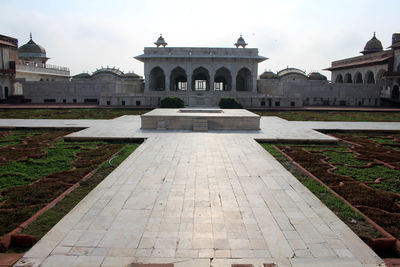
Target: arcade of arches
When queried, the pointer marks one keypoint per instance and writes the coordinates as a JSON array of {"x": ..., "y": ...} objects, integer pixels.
[
  {"x": 200, "y": 80},
  {"x": 368, "y": 78}
]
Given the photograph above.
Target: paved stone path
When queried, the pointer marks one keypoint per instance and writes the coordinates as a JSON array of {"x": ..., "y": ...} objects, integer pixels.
[{"x": 200, "y": 199}]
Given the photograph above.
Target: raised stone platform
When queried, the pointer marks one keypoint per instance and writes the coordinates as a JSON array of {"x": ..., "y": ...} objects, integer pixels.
[{"x": 200, "y": 119}]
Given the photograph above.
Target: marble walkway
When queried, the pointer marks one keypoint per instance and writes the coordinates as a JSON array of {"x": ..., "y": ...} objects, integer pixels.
[{"x": 200, "y": 199}]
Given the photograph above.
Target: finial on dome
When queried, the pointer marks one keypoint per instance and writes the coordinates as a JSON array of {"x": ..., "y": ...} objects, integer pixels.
[
  {"x": 160, "y": 41},
  {"x": 240, "y": 42},
  {"x": 30, "y": 35}
]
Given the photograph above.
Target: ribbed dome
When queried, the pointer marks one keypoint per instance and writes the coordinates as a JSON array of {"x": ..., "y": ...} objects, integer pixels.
[
  {"x": 316, "y": 76},
  {"x": 31, "y": 50},
  {"x": 372, "y": 46},
  {"x": 268, "y": 75}
]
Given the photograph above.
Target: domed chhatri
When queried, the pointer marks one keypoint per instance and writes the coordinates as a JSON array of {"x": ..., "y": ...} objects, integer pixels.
[
  {"x": 32, "y": 52},
  {"x": 268, "y": 75},
  {"x": 316, "y": 76},
  {"x": 372, "y": 46},
  {"x": 240, "y": 42},
  {"x": 160, "y": 41}
]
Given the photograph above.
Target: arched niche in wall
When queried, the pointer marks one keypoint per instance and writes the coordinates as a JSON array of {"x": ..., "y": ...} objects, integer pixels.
[
  {"x": 347, "y": 78},
  {"x": 358, "y": 78},
  {"x": 339, "y": 78},
  {"x": 369, "y": 77}
]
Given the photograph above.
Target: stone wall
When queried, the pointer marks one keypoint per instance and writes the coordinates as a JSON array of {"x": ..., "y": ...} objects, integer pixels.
[
  {"x": 321, "y": 92},
  {"x": 79, "y": 91},
  {"x": 271, "y": 93}
]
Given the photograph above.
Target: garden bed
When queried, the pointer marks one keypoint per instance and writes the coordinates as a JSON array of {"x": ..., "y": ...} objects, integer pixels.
[
  {"x": 333, "y": 115},
  {"x": 38, "y": 166},
  {"x": 68, "y": 113},
  {"x": 363, "y": 170}
]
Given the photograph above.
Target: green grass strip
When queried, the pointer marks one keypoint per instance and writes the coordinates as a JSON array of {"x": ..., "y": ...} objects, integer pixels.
[
  {"x": 45, "y": 222},
  {"x": 362, "y": 228}
]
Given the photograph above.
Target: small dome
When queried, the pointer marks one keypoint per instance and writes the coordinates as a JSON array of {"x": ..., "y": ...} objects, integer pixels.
[
  {"x": 240, "y": 42},
  {"x": 372, "y": 46},
  {"x": 83, "y": 75},
  {"x": 31, "y": 50},
  {"x": 132, "y": 75},
  {"x": 160, "y": 41},
  {"x": 268, "y": 75},
  {"x": 108, "y": 70},
  {"x": 288, "y": 71},
  {"x": 316, "y": 76}
]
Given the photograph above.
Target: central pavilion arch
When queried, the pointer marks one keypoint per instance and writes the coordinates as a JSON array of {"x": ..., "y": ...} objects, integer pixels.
[
  {"x": 201, "y": 79},
  {"x": 222, "y": 80},
  {"x": 178, "y": 79},
  {"x": 244, "y": 80},
  {"x": 157, "y": 79}
]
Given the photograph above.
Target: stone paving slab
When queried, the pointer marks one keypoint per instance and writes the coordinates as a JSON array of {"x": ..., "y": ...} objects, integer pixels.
[{"x": 195, "y": 197}]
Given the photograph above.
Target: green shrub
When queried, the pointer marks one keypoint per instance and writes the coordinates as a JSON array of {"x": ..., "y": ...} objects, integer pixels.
[
  {"x": 229, "y": 103},
  {"x": 172, "y": 102}
]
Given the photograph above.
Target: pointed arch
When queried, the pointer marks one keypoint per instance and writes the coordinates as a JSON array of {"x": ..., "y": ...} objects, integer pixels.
[
  {"x": 178, "y": 79},
  {"x": 339, "y": 78},
  {"x": 347, "y": 78},
  {"x": 369, "y": 77},
  {"x": 244, "y": 80},
  {"x": 223, "y": 80},
  {"x": 358, "y": 78},
  {"x": 200, "y": 79},
  {"x": 157, "y": 79}
]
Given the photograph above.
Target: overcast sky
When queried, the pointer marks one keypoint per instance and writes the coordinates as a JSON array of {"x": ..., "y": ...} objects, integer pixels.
[{"x": 306, "y": 34}]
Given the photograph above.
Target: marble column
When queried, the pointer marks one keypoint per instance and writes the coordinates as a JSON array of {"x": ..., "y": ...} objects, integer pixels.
[
  {"x": 189, "y": 82},
  {"x": 212, "y": 82}
]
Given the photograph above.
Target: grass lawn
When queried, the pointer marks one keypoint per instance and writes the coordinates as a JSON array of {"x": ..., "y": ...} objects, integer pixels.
[
  {"x": 364, "y": 169},
  {"x": 110, "y": 113},
  {"x": 72, "y": 113},
  {"x": 362, "y": 228},
  {"x": 36, "y": 166},
  {"x": 333, "y": 115}
]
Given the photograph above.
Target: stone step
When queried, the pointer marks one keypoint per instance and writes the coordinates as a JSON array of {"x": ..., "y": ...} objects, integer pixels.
[{"x": 200, "y": 125}]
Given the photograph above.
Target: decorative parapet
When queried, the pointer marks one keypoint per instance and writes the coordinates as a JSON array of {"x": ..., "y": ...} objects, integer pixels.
[
  {"x": 200, "y": 52},
  {"x": 33, "y": 67}
]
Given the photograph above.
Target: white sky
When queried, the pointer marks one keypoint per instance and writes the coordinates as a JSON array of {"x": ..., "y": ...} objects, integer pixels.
[{"x": 307, "y": 34}]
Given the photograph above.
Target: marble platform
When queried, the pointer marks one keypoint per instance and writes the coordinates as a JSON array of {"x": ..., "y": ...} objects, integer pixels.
[{"x": 200, "y": 119}]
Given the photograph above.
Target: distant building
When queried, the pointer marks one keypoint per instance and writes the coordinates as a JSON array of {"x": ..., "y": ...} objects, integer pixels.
[
  {"x": 375, "y": 66},
  {"x": 105, "y": 86},
  {"x": 8, "y": 58},
  {"x": 32, "y": 65},
  {"x": 201, "y": 76}
]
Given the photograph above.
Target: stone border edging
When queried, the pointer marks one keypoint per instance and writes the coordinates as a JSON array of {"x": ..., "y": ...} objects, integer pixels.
[{"x": 375, "y": 242}]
